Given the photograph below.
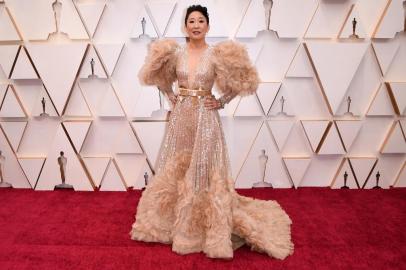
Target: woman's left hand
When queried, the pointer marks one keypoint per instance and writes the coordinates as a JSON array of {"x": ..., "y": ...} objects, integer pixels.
[{"x": 211, "y": 103}]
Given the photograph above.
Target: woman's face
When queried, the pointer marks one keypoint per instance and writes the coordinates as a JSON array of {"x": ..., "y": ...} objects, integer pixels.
[{"x": 196, "y": 26}]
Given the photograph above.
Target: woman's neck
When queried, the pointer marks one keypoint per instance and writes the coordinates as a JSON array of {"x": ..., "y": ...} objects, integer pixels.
[{"x": 197, "y": 44}]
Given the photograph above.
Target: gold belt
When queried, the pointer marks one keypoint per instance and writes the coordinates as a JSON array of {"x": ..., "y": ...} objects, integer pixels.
[{"x": 194, "y": 92}]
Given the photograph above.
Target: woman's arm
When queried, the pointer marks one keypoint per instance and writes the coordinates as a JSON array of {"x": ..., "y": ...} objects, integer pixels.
[
  {"x": 160, "y": 65},
  {"x": 168, "y": 92},
  {"x": 212, "y": 103},
  {"x": 234, "y": 71},
  {"x": 226, "y": 98}
]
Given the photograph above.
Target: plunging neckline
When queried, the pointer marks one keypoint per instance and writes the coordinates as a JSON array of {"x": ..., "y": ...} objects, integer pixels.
[{"x": 191, "y": 75}]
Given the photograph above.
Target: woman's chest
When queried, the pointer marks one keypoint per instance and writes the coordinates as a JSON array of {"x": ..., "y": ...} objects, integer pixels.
[{"x": 195, "y": 70}]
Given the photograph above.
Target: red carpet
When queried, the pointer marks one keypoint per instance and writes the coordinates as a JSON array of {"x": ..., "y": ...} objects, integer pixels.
[{"x": 332, "y": 229}]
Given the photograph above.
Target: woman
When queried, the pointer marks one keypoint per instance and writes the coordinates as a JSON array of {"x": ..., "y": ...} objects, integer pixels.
[{"x": 192, "y": 203}]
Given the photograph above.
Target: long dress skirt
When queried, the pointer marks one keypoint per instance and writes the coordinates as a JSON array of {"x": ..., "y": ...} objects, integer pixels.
[{"x": 192, "y": 204}]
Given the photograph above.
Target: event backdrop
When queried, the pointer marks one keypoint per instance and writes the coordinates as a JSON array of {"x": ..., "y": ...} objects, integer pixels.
[{"x": 68, "y": 82}]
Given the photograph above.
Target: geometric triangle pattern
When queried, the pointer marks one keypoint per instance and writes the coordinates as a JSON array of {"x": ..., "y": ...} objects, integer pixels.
[
  {"x": 148, "y": 29},
  {"x": 348, "y": 28},
  {"x": 3, "y": 90},
  {"x": 331, "y": 144},
  {"x": 397, "y": 92},
  {"x": 348, "y": 131},
  {"x": 401, "y": 178},
  {"x": 345, "y": 176},
  {"x": 70, "y": 22},
  {"x": 52, "y": 173},
  {"x": 297, "y": 168},
  {"x": 369, "y": 14},
  {"x": 395, "y": 142},
  {"x": 282, "y": 105},
  {"x": 280, "y": 130},
  {"x": 7, "y": 57},
  {"x": 77, "y": 131},
  {"x": 385, "y": 51},
  {"x": 328, "y": 19},
  {"x": 28, "y": 92},
  {"x": 392, "y": 20},
  {"x": 396, "y": 71},
  {"x": 11, "y": 105},
  {"x": 249, "y": 106},
  {"x": 362, "y": 169},
  {"x": 252, "y": 172},
  {"x": 109, "y": 54},
  {"x": 11, "y": 169},
  {"x": 240, "y": 134},
  {"x": 93, "y": 91},
  {"x": 381, "y": 104},
  {"x": 91, "y": 14},
  {"x": 14, "y": 132},
  {"x": 38, "y": 136},
  {"x": 315, "y": 132},
  {"x": 32, "y": 168},
  {"x": 133, "y": 168},
  {"x": 48, "y": 59},
  {"x": 267, "y": 93},
  {"x": 147, "y": 102},
  {"x": 97, "y": 168},
  {"x": 275, "y": 57},
  {"x": 253, "y": 49},
  {"x": 253, "y": 21},
  {"x": 35, "y": 19},
  {"x": 385, "y": 172},
  {"x": 8, "y": 31},
  {"x": 106, "y": 137},
  {"x": 161, "y": 13},
  {"x": 43, "y": 103},
  {"x": 366, "y": 81},
  {"x": 112, "y": 180},
  {"x": 151, "y": 135},
  {"x": 92, "y": 66},
  {"x": 77, "y": 106},
  {"x": 290, "y": 19},
  {"x": 335, "y": 65},
  {"x": 23, "y": 68},
  {"x": 300, "y": 66},
  {"x": 110, "y": 128},
  {"x": 126, "y": 142},
  {"x": 110, "y": 105}
]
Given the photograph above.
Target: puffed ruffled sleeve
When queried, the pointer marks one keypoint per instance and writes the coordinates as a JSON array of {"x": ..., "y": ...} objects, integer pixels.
[
  {"x": 160, "y": 64},
  {"x": 235, "y": 74}
]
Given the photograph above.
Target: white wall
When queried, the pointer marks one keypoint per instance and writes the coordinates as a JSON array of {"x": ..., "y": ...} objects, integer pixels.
[{"x": 104, "y": 124}]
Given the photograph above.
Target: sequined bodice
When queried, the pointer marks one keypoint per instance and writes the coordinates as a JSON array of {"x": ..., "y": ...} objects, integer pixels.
[{"x": 203, "y": 76}]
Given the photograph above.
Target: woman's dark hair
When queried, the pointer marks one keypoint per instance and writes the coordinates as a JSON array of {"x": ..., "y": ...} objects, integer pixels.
[{"x": 198, "y": 8}]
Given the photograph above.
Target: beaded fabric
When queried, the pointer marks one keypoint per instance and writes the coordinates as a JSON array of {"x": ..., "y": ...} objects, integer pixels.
[{"x": 191, "y": 203}]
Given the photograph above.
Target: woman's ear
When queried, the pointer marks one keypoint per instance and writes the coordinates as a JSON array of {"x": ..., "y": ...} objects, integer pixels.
[{"x": 184, "y": 31}]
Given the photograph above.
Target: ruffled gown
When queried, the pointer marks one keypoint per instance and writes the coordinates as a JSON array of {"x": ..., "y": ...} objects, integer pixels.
[{"x": 191, "y": 203}]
